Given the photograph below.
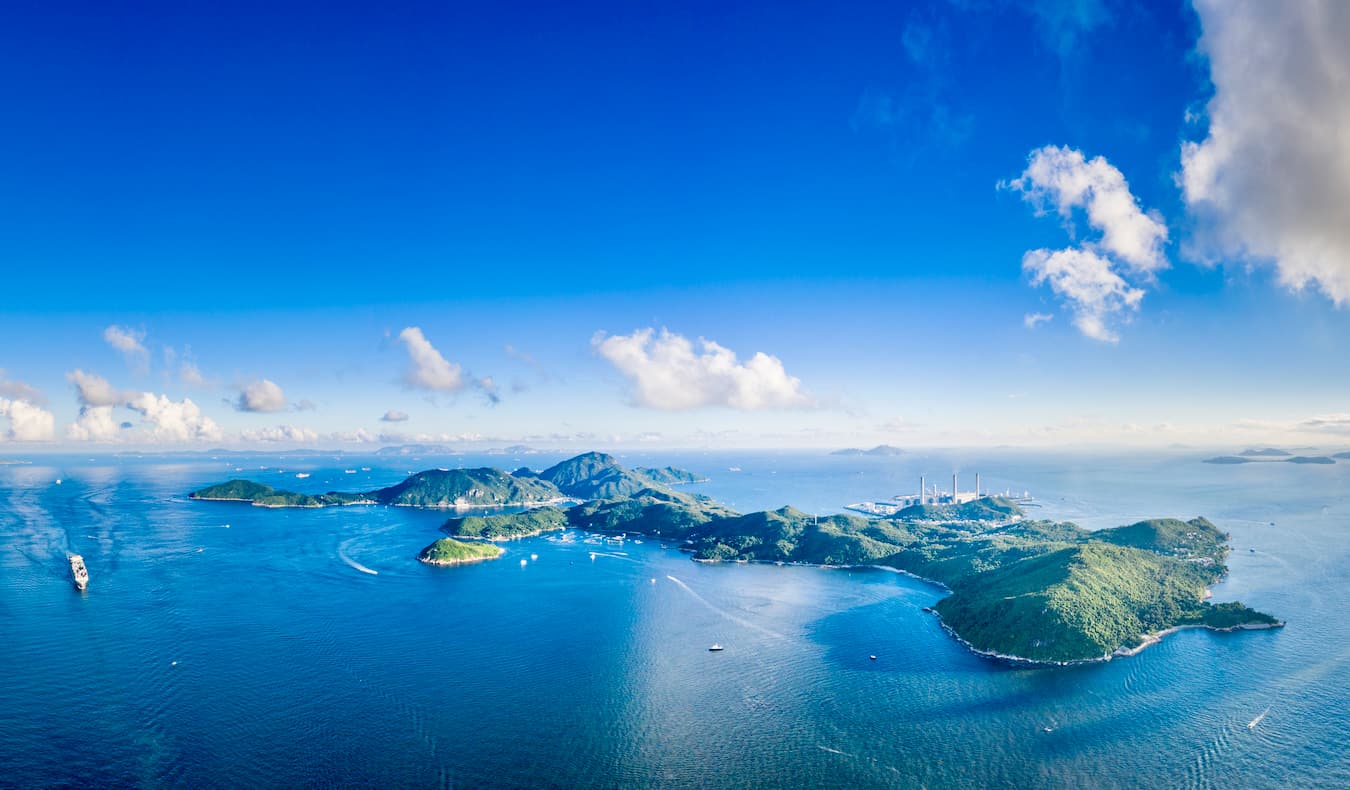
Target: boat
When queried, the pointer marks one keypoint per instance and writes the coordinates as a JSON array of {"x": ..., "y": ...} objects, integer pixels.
[
  {"x": 349, "y": 471},
  {"x": 874, "y": 658},
  {"x": 78, "y": 572},
  {"x": 302, "y": 475},
  {"x": 716, "y": 648}
]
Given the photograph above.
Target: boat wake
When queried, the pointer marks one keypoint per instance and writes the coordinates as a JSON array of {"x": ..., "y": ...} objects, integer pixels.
[
  {"x": 1252, "y": 724},
  {"x": 728, "y": 615},
  {"x": 342, "y": 555}
]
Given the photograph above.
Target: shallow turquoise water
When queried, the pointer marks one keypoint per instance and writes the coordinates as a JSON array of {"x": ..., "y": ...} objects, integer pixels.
[{"x": 295, "y": 667}]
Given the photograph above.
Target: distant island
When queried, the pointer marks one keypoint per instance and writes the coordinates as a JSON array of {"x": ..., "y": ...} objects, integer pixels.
[
  {"x": 448, "y": 551},
  {"x": 6, "y": 462},
  {"x": 881, "y": 449},
  {"x": 1268, "y": 457},
  {"x": 1268, "y": 452},
  {"x": 1019, "y": 590}
]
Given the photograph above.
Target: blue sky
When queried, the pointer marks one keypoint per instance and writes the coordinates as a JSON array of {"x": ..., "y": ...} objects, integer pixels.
[{"x": 197, "y": 200}]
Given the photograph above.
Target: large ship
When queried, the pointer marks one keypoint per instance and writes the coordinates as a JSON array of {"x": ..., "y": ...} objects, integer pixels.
[{"x": 78, "y": 572}]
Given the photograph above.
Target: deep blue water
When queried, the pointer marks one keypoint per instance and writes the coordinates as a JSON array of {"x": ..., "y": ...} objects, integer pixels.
[{"x": 294, "y": 667}]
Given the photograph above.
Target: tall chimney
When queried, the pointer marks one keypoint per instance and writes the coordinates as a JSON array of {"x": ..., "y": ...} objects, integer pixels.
[
  {"x": 953, "y": 488},
  {"x": 922, "y": 494},
  {"x": 977, "y": 485}
]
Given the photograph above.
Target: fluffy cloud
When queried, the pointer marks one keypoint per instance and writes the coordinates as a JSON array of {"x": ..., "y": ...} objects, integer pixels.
[
  {"x": 668, "y": 373},
  {"x": 1065, "y": 178},
  {"x": 281, "y": 433},
  {"x": 394, "y": 415},
  {"x": 358, "y": 435},
  {"x": 427, "y": 369},
  {"x": 18, "y": 390},
  {"x": 1086, "y": 281},
  {"x": 27, "y": 423},
  {"x": 173, "y": 421},
  {"x": 95, "y": 424},
  {"x": 1091, "y": 277},
  {"x": 1271, "y": 181},
  {"x": 94, "y": 390},
  {"x": 129, "y": 342},
  {"x": 261, "y": 396},
  {"x": 97, "y": 398}
]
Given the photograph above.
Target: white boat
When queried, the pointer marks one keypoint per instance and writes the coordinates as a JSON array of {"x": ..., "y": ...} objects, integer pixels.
[
  {"x": 716, "y": 648},
  {"x": 302, "y": 475},
  {"x": 349, "y": 471},
  {"x": 78, "y": 572}
]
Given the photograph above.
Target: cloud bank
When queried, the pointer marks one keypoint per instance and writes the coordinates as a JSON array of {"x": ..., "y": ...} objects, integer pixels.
[
  {"x": 667, "y": 373},
  {"x": 1271, "y": 180},
  {"x": 1101, "y": 279},
  {"x": 394, "y": 415}
]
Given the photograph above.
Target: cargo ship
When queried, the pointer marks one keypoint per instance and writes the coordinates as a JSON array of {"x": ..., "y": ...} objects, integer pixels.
[{"x": 78, "y": 572}]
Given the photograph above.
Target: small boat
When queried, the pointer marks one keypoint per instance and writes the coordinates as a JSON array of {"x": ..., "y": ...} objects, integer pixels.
[
  {"x": 523, "y": 563},
  {"x": 534, "y": 557},
  {"x": 302, "y": 475},
  {"x": 78, "y": 572},
  {"x": 349, "y": 471},
  {"x": 874, "y": 658},
  {"x": 716, "y": 648}
]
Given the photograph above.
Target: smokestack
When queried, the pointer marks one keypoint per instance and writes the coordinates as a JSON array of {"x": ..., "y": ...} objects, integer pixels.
[
  {"x": 953, "y": 488},
  {"x": 977, "y": 485},
  {"x": 922, "y": 494}
]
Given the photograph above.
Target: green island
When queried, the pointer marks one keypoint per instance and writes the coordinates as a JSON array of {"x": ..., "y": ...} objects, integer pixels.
[
  {"x": 1019, "y": 589},
  {"x": 448, "y": 551}
]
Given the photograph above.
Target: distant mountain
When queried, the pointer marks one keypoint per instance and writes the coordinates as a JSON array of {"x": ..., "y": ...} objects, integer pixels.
[
  {"x": 515, "y": 449},
  {"x": 594, "y": 476},
  {"x": 1268, "y": 452},
  {"x": 879, "y": 450},
  {"x": 1228, "y": 459},
  {"x": 1309, "y": 459},
  {"x": 463, "y": 488},
  {"x": 1342, "y": 456},
  {"x": 417, "y": 449},
  {"x": 670, "y": 475}
]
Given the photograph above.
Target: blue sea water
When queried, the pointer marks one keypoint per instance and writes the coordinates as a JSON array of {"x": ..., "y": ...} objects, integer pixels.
[{"x": 221, "y": 645}]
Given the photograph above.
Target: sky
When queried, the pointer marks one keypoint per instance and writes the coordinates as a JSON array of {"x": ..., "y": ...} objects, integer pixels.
[{"x": 933, "y": 223}]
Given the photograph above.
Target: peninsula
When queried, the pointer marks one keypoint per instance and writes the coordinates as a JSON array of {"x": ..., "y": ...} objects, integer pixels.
[{"x": 1019, "y": 590}]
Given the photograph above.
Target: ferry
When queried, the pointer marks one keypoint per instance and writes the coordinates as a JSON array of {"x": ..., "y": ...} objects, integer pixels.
[
  {"x": 716, "y": 648},
  {"x": 78, "y": 572}
]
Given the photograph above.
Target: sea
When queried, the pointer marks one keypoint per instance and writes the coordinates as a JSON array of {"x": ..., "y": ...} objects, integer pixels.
[{"x": 224, "y": 645}]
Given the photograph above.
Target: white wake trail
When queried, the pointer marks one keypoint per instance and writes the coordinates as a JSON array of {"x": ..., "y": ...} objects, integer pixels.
[{"x": 728, "y": 615}]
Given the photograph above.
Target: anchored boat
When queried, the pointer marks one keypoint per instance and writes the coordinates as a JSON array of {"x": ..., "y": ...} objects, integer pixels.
[{"x": 78, "y": 572}]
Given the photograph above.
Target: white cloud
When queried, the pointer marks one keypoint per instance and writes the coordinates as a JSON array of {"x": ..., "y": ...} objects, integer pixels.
[
  {"x": 94, "y": 390},
  {"x": 281, "y": 433},
  {"x": 1091, "y": 277},
  {"x": 1032, "y": 320},
  {"x": 95, "y": 424},
  {"x": 1271, "y": 181},
  {"x": 668, "y": 373},
  {"x": 27, "y": 423},
  {"x": 18, "y": 390},
  {"x": 394, "y": 415},
  {"x": 1085, "y": 279},
  {"x": 261, "y": 395},
  {"x": 1064, "y": 177},
  {"x": 358, "y": 435},
  {"x": 191, "y": 375},
  {"x": 169, "y": 420},
  {"x": 97, "y": 398},
  {"x": 129, "y": 342},
  {"x": 427, "y": 369}
]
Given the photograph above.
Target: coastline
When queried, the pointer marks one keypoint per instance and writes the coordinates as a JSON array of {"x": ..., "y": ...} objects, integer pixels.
[{"x": 1120, "y": 652}]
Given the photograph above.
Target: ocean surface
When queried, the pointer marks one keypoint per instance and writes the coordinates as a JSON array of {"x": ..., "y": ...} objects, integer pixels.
[{"x": 222, "y": 645}]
